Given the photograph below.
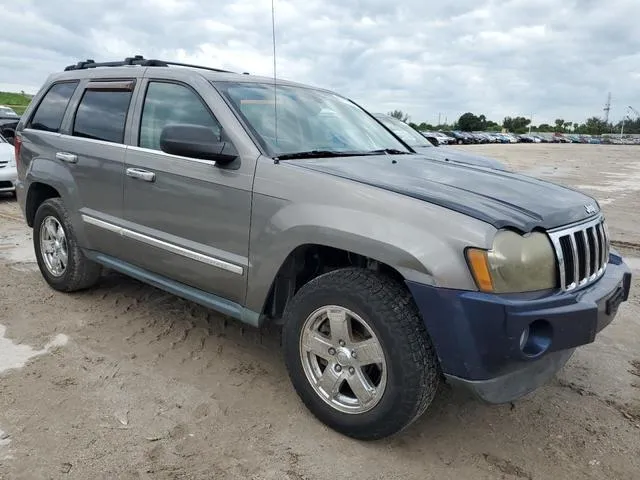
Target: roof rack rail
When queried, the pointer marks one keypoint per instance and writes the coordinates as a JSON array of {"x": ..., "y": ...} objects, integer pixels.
[{"x": 137, "y": 60}]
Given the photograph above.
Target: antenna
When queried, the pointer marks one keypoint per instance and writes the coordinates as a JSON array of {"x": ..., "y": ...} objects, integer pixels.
[{"x": 275, "y": 85}]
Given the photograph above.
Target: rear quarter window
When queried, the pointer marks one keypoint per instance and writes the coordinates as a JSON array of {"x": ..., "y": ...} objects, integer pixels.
[{"x": 48, "y": 115}]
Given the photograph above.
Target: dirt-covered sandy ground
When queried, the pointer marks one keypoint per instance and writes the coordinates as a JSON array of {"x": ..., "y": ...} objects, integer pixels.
[{"x": 128, "y": 382}]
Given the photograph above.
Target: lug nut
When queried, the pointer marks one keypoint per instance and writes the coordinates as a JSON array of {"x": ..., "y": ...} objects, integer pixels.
[
  {"x": 352, "y": 370},
  {"x": 338, "y": 368},
  {"x": 341, "y": 342},
  {"x": 332, "y": 351},
  {"x": 354, "y": 354}
]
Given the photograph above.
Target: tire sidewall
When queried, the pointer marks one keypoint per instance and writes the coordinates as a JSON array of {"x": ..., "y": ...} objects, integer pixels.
[
  {"x": 54, "y": 208},
  {"x": 393, "y": 397}
]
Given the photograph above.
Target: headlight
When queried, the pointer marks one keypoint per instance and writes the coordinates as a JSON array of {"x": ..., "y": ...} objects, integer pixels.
[{"x": 515, "y": 263}]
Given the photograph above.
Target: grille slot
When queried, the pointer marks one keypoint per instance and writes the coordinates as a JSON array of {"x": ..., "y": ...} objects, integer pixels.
[{"x": 582, "y": 252}]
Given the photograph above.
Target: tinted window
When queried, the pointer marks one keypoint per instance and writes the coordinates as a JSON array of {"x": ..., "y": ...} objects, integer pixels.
[
  {"x": 167, "y": 103},
  {"x": 49, "y": 113},
  {"x": 102, "y": 114}
]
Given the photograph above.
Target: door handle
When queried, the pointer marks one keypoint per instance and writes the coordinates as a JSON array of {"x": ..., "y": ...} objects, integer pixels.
[
  {"x": 141, "y": 174},
  {"x": 67, "y": 157}
]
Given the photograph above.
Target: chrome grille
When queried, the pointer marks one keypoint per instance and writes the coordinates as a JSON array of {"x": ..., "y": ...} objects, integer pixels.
[
  {"x": 3, "y": 163},
  {"x": 582, "y": 252}
]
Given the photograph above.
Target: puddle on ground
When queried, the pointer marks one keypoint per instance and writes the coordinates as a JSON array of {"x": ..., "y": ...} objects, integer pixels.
[{"x": 16, "y": 356}]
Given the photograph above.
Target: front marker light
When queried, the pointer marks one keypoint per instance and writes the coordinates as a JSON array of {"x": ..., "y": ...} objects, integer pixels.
[{"x": 479, "y": 266}]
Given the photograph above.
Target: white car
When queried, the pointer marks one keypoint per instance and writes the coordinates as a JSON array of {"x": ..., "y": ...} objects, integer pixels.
[
  {"x": 8, "y": 172},
  {"x": 441, "y": 137},
  {"x": 7, "y": 112}
]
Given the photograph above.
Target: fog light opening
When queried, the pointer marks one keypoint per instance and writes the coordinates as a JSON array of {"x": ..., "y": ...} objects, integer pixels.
[{"x": 535, "y": 340}]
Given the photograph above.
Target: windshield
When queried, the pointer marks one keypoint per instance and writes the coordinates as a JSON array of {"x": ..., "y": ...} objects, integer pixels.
[
  {"x": 308, "y": 120},
  {"x": 404, "y": 131}
]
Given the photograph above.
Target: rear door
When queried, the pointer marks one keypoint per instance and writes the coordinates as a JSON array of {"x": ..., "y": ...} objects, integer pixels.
[
  {"x": 93, "y": 148},
  {"x": 188, "y": 218}
]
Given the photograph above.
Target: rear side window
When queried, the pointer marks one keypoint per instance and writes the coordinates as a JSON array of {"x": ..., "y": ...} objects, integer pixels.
[
  {"x": 167, "y": 103},
  {"x": 102, "y": 114},
  {"x": 48, "y": 116}
]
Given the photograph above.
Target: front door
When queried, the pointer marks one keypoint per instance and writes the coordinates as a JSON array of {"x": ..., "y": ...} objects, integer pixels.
[{"x": 187, "y": 219}]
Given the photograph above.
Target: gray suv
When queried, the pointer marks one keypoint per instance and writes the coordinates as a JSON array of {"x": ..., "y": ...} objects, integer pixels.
[{"x": 275, "y": 202}]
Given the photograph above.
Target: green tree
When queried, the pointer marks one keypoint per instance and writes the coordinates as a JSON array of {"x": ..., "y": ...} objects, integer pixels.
[
  {"x": 559, "y": 127},
  {"x": 400, "y": 115},
  {"x": 469, "y": 122},
  {"x": 595, "y": 126},
  {"x": 545, "y": 127},
  {"x": 516, "y": 124}
]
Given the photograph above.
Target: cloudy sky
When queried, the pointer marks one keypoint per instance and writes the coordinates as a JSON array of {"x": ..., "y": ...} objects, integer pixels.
[{"x": 548, "y": 58}]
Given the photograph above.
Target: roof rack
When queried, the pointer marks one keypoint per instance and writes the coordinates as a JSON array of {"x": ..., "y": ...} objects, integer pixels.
[{"x": 137, "y": 60}]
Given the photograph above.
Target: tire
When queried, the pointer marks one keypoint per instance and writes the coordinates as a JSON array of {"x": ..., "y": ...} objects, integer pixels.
[
  {"x": 411, "y": 370},
  {"x": 79, "y": 272},
  {"x": 460, "y": 142}
]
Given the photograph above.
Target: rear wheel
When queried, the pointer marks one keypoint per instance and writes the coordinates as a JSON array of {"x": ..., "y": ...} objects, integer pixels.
[
  {"x": 61, "y": 261},
  {"x": 358, "y": 353}
]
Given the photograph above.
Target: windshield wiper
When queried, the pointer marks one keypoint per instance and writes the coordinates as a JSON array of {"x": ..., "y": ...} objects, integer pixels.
[
  {"x": 318, "y": 154},
  {"x": 387, "y": 151}
]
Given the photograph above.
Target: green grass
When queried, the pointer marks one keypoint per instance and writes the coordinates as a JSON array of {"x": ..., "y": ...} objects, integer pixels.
[{"x": 17, "y": 101}]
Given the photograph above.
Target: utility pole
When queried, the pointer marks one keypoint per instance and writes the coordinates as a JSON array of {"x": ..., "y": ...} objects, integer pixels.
[
  {"x": 607, "y": 108},
  {"x": 530, "y": 124},
  {"x": 439, "y": 117}
]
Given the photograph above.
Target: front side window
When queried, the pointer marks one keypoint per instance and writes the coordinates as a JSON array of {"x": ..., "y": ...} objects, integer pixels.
[
  {"x": 48, "y": 115},
  {"x": 172, "y": 103},
  {"x": 102, "y": 115},
  {"x": 306, "y": 120}
]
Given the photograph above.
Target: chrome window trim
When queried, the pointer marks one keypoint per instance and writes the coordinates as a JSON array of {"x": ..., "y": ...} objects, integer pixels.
[
  {"x": 170, "y": 155},
  {"x": 170, "y": 247}
]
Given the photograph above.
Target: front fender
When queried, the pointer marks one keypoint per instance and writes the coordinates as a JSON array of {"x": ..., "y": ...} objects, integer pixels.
[{"x": 420, "y": 254}]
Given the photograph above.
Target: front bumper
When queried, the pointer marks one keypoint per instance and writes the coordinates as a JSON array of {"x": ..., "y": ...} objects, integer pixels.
[
  {"x": 477, "y": 336},
  {"x": 8, "y": 178}
]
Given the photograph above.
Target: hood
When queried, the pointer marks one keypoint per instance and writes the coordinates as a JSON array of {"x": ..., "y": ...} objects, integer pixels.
[
  {"x": 455, "y": 155},
  {"x": 7, "y": 152},
  {"x": 498, "y": 197}
]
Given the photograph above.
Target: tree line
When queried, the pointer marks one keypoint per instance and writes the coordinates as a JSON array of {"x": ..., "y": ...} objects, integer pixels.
[{"x": 469, "y": 122}]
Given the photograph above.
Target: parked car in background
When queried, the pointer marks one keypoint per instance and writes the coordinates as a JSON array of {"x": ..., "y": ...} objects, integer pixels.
[
  {"x": 442, "y": 138},
  {"x": 424, "y": 147},
  {"x": 8, "y": 122},
  {"x": 459, "y": 137},
  {"x": 7, "y": 112},
  {"x": 8, "y": 172}
]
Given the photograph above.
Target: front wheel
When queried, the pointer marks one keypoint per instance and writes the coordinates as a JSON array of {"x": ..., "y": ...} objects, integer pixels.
[{"x": 358, "y": 353}]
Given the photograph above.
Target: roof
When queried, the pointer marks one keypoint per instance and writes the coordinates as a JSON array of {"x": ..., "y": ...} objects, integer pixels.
[{"x": 91, "y": 69}]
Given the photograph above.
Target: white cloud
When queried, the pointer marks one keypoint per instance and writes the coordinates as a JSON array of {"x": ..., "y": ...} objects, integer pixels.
[{"x": 497, "y": 57}]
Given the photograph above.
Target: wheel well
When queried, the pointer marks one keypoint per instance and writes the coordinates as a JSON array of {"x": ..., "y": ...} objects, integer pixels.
[
  {"x": 307, "y": 262},
  {"x": 38, "y": 193}
]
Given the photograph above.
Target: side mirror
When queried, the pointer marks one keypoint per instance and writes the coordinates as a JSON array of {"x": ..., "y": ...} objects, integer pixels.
[{"x": 196, "y": 141}]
